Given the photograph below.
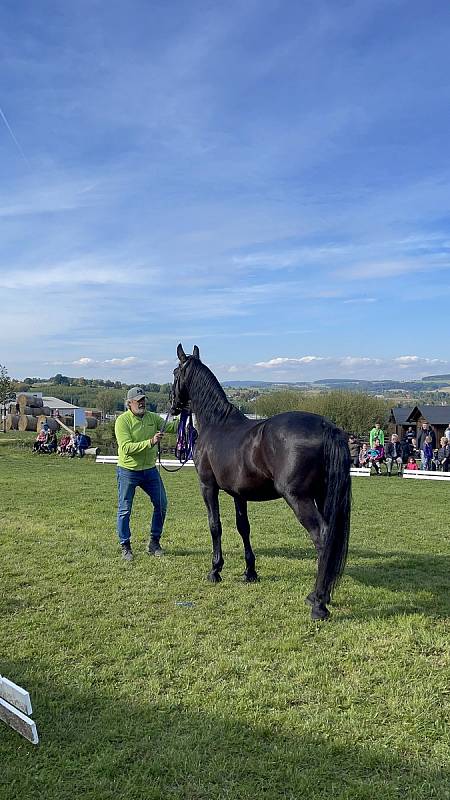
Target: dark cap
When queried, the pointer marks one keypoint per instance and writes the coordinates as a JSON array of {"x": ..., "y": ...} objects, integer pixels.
[{"x": 135, "y": 393}]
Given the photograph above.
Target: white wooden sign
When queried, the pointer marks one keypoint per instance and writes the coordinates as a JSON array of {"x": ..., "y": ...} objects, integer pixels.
[{"x": 15, "y": 708}]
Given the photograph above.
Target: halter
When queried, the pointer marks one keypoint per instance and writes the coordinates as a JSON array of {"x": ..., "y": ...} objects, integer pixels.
[{"x": 187, "y": 435}]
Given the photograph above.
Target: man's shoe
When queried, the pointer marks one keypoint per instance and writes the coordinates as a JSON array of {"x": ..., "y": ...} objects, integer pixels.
[
  {"x": 127, "y": 553},
  {"x": 154, "y": 548}
]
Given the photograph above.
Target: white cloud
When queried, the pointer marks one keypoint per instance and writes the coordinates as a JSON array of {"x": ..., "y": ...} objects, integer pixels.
[
  {"x": 129, "y": 361},
  {"x": 291, "y": 362},
  {"x": 84, "y": 362},
  {"x": 74, "y": 273},
  {"x": 359, "y": 300}
]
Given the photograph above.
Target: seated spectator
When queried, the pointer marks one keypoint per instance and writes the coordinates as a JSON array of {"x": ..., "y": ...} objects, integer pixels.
[
  {"x": 354, "y": 448},
  {"x": 64, "y": 444},
  {"x": 407, "y": 450},
  {"x": 83, "y": 443},
  {"x": 427, "y": 453},
  {"x": 40, "y": 441},
  {"x": 73, "y": 445},
  {"x": 441, "y": 460},
  {"x": 51, "y": 443},
  {"x": 415, "y": 449},
  {"x": 447, "y": 433},
  {"x": 376, "y": 456},
  {"x": 411, "y": 463},
  {"x": 363, "y": 456},
  {"x": 394, "y": 453}
]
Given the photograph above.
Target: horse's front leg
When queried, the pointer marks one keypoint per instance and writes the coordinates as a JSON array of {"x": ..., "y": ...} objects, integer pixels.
[
  {"x": 243, "y": 526},
  {"x": 210, "y": 494}
]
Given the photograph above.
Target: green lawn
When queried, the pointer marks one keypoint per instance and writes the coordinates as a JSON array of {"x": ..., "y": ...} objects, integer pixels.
[{"x": 239, "y": 695}]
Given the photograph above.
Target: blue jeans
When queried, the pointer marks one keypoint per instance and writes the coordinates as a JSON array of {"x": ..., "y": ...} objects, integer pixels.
[{"x": 149, "y": 480}]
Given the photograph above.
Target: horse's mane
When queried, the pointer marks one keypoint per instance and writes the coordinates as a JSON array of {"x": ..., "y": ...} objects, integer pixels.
[{"x": 207, "y": 394}]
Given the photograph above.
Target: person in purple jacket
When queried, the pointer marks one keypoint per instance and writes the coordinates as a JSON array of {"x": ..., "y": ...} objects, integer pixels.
[
  {"x": 376, "y": 456},
  {"x": 427, "y": 453}
]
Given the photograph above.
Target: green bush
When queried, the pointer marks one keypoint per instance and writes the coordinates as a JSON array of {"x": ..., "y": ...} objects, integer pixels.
[{"x": 354, "y": 412}]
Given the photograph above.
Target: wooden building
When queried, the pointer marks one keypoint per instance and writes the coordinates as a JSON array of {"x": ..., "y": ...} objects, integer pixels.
[{"x": 402, "y": 417}]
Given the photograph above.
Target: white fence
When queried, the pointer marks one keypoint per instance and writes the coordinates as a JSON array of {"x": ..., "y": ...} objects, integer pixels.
[{"x": 15, "y": 709}]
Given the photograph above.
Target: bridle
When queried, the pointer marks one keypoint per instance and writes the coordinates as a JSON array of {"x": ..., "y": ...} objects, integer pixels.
[{"x": 187, "y": 435}]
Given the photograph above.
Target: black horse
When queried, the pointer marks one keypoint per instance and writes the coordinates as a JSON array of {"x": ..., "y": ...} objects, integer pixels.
[{"x": 301, "y": 457}]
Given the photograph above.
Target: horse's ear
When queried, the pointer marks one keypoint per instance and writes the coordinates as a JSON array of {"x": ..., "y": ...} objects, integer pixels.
[
  {"x": 196, "y": 352},
  {"x": 182, "y": 357}
]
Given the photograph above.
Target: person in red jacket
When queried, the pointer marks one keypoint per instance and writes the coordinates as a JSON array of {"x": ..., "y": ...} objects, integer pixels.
[{"x": 411, "y": 463}]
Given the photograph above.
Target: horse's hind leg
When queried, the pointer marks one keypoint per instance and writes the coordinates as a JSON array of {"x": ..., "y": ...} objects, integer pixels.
[
  {"x": 210, "y": 493},
  {"x": 309, "y": 516},
  {"x": 243, "y": 526}
]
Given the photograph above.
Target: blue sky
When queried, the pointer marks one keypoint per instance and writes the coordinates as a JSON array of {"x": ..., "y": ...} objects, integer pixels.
[{"x": 267, "y": 180}]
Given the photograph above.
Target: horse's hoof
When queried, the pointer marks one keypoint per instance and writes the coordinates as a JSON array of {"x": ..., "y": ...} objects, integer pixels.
[
  {"x": 214, "y": 577},
  {"x": 311, "y": 599},
  {"x": 250, "y": 577},
  {"x": 319, "y": 612}
]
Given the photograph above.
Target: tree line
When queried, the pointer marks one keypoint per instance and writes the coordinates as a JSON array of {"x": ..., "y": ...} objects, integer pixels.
[{"x": 355, "y": 412}]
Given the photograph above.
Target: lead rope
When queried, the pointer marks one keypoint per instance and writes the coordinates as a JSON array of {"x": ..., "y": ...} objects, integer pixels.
[{"x": 186, "y": 439}]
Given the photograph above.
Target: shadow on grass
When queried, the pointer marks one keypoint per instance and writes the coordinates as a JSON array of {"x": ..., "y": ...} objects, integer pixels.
[
  {"x": 100, "y": 745},
  {"x": 426, "y": 576}
]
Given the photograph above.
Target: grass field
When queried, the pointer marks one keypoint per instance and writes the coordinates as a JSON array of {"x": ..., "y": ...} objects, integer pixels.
[{"x": 239, "y": 695}]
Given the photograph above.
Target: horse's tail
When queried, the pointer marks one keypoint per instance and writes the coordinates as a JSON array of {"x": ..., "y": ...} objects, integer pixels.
[{"x": 337, "y": 506}]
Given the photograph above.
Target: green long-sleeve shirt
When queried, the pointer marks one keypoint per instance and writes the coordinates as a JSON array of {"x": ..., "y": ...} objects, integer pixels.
[
  {"x": 376, "y": 433},
  {"x": 133, "y": 434}
]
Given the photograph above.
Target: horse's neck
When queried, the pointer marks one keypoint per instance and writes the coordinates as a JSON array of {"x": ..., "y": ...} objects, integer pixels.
[{"x": 208, "y": 400}]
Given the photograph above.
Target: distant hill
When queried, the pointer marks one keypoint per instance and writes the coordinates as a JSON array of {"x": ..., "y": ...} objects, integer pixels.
[
  {"x": 348, "y": 384},
  {"x": 261, "y": 384},
  {"x": 440, "y": 378}
]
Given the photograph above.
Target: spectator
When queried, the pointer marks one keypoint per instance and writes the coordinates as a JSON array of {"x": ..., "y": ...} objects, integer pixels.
[
  {"x": 407, "y": 449},
  {"x": 376, "y": 433},
  {"x": 52, "y": 442},
  {"x": 64, "y": 443},
  {"x": 354, "y": 450},
  {"x": 83, "y": 444},
  {"x": 425, "y": 431},
  {"x": 427, "y": 453},
  {"x": 442, "y": 459},
  {"x": 409, "y": 435},
  {"x": 40, "y": 441},
  {"x": 73, "y": 444},
  {"x": 376, "y": 456},
  {"x": 394, "y": 454},
  {"x": 364, "y": 456},
  {"x": 447, "y": 433},
  {"x": 411, "y": 463}
]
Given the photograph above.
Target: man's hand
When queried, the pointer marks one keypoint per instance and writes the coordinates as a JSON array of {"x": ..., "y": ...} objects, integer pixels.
[{"x": 156, "y": 438}]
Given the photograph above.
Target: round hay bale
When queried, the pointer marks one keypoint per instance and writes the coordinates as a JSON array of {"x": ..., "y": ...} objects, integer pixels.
[
  {"x": 12, "y": 422},
  {"x": 36, "y": 411},
  {"x": 25, "y": 399},
  {"x": 52, "y": 423},
  {"x": 91, "y": 422},
  {"x": 27, "y": 423}
]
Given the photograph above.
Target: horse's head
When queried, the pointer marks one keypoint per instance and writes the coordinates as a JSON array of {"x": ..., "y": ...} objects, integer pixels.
[{"x": 180, "y": 393}]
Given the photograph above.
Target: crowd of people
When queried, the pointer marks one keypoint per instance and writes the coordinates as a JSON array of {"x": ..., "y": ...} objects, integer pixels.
[
  {"x": 71, "y": 445},
  {"x": 407, "y": 454}
]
